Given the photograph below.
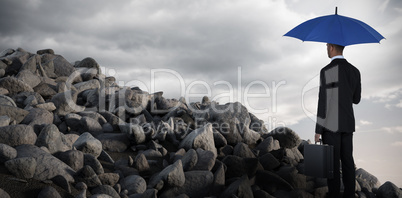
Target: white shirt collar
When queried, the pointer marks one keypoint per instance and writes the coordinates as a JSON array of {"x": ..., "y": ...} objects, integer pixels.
[{"x": 337, "y": 57}]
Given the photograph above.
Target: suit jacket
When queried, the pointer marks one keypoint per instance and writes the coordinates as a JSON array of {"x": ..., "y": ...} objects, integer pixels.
[{"x": 340, "y": 87}]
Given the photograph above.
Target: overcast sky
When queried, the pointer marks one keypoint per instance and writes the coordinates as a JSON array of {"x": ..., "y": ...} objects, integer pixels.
[{"x": 232, "y": 48}]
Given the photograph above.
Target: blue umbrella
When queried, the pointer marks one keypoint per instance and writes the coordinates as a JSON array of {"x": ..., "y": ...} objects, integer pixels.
[{"x": 335, "y": 29}]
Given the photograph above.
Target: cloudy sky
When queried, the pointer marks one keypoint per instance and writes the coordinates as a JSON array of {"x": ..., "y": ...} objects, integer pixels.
[{"x": 231, "y": 51}]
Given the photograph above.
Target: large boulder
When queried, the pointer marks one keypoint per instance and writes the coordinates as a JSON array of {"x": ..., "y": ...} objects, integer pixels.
[
  {"x": 389, "y": 190},
  {"x": 23, "y": 167},
  {"x": 17, "y": 59},
  {"x": 5, "y": 100},
  {"x": 88, "y": 144},
  {"x": 7, "y": 152},
  {"x": 367, "y": 180},
  {"x": 115, "y": 142},
  {"x": 232, "y": 120},
  {"x": 14, "y": 85},
  {"x": 134, "y": 184},
  {"x": 200, "y": 138},
  {"x": 198, "y": 184},
  {"x": 172, "y": 175},
  {"x": 14, "y": 113},
  {"x": 51, "y": 138},
  {"x": 287, "y": 137},
  {"x": 38, "y": 117},
  {"x": 65, "y": 103},
  {"x": 29, "y": 78},
  {"x": 240, "y": 188},
  {"x": 61, "y": 66},
  {"x": 15, "y": 135},
  {"x": 47, "y": 166},
  {"x": 134, "y": 132}
]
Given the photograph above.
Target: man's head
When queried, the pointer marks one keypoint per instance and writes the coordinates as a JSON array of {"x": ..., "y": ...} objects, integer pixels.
[{"x": 334, "y": 50}]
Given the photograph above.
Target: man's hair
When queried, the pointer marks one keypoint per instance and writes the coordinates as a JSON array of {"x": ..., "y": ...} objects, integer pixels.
[{"x": 338, "y": 48}]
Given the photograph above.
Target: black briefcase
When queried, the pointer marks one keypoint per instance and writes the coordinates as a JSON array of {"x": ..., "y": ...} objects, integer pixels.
[{"x": 318, "y": 160}]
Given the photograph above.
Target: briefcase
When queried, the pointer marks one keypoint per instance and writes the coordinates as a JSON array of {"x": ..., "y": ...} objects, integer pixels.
[{"x": 318, "y": 160}]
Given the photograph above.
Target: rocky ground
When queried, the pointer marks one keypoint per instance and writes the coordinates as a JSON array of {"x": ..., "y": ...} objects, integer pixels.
[{"x": 66, "y": 130}]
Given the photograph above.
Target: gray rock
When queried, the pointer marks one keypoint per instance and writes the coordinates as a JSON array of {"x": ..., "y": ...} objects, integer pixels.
[
  {"x": 110, "y": 179},
  {"x": 17, "y": 59},
  {"x": 172, "y": 175},
  {"x": 107, "y": 190},
  {"x": 115, "y": 142},
  {"x": 134, "y": 132},
  {"x": 367, "y": 180},
  {"x": 269, "y": 181},
  {"x": 23, "y": 167},
  {"x": 219, "y": 140},
  {"x": 14, "y": 113},
  {"x": 293, "y": 155},
  {"x": 14, "y": 85},
  {"x": 38, "y": 117},
  {"x": 389, "y": 190},
  {"x": 89, "y": 63},
  {"x": 151, "y": 153},
  {"x": 90, "y": 84},
  {"x": 90, "y": 125},
  {"x": 45, "y": 90},
  {"x": 4, "y": 194},
  {"x": 291, "y": 175},
  {"x": 51, "y": 138},
  {"x": 4, "y": 121},
  {"x": 269, "y": 162},
  {"x": 73, "y": 121},
  {"x": 7, "y": 153},
  {"x": 94, "y": 115},
  {"x": 49, "y": 106},
  {"x": 49, "y": 192},
  {"x": 134, "y": 184},
  {"x": 29, "y": 78},
  {"x": 267, "y": 145},
  {"x": 198, "y": 184},
  {"x": 3, "y": 91},
  {"x": 15, "y": 135},
  {"x": 200, "y": 138},
  {"x": 219, "y": 180},
  {"x": 242, "y": 150},
  {"x": 7, "y": 52},
  {"x": 73, "y": 158},
  {"x": 112, "y": 119},
  {"x": 88, "y": 176},
  {"x": 45, "y": 51},
  {"x": 91, "y": 161},
  {"x": 205, "y": 160},
  {"x": 5, "y": 100},
  {"x": 141, "y": 163},
  {"x": 47, "y": 166},
  {"x": 88, "y": 144},
  {"x": 233, "y": 121},
  {"x": 150, "y": 193},
  {"x": 239, "y": 188},
  {"x": 65, "y": 103},
  {"x": 287, "y": 137},
  {"x": 61, "y": 66},
  {"x": 189, "y": 160}
]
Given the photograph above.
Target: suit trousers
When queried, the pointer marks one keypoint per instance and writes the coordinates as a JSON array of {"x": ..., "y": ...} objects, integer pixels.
[{"x": 343, "y": 153}]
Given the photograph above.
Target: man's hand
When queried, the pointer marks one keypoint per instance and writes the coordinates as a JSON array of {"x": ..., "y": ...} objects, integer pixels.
[{"x": 317, "y": 137}]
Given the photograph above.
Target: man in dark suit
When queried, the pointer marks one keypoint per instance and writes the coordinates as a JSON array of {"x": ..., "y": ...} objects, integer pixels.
[{"x": 340, "y": 87}]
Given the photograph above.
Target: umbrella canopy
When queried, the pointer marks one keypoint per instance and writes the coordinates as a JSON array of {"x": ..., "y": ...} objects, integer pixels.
[{"x": 335, "y": 29}]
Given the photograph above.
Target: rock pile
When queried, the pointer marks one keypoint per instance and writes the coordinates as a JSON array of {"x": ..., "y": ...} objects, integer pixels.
[{"x": 68, "y": 124}]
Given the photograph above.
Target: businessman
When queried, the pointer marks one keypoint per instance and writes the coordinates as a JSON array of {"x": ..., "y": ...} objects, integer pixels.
[{"x": 340, "y": 88}]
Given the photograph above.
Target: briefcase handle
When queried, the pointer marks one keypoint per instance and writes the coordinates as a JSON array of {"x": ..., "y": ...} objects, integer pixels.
[{"x": 320, "y": 141}]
